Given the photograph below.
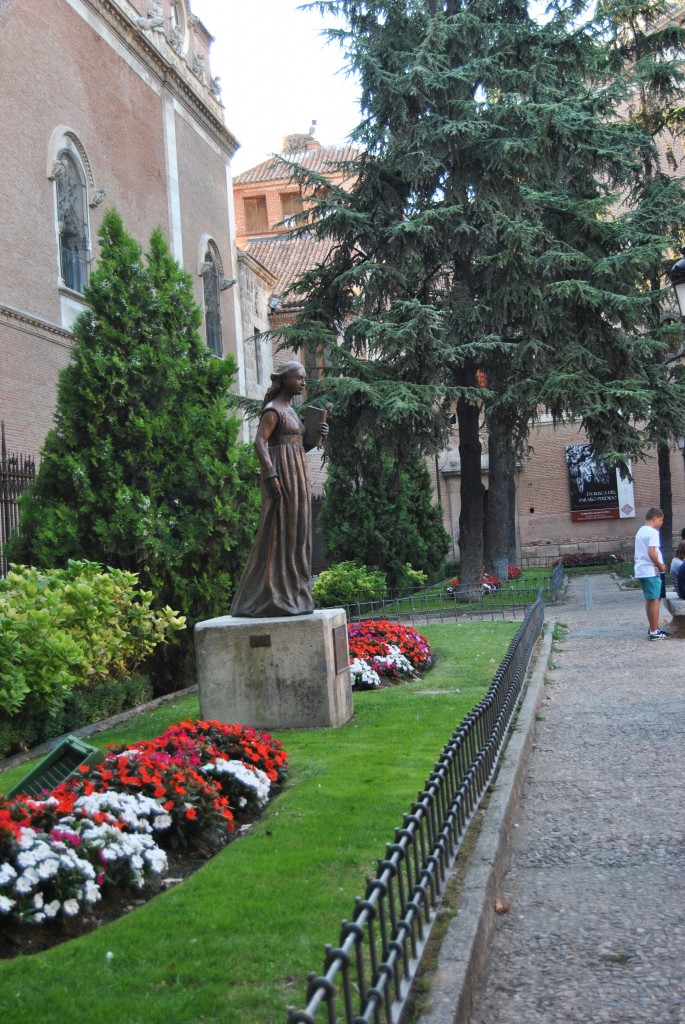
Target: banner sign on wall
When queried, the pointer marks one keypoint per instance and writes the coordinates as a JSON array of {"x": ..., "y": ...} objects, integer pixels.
[{"x": 597, "y": 492}]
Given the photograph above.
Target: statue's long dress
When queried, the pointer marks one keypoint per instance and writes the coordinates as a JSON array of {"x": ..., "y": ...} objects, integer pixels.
[{"x": 277, "y": 577}]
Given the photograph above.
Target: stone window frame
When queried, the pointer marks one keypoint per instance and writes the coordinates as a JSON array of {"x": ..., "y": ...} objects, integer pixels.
[
  {"x": 179, "y": 26},
  {"x": 212, "y": 273},
  {"x": 67, "y": 152}
]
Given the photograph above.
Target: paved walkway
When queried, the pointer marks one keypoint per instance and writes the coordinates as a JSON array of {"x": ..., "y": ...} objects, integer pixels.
[{"x": 595, "y": 866}]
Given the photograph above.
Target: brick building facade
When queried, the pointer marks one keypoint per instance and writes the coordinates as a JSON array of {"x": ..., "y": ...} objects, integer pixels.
[
  {"x": 544, "y": 527},
  {"x": 108, "y": 103}
]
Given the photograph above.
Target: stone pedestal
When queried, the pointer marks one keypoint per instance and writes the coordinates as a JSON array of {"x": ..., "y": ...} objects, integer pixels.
[{"x": 290, "y": 672}]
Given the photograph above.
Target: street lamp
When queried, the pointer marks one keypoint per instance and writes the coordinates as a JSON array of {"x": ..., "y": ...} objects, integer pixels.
[{"x": 676, "y": 276}]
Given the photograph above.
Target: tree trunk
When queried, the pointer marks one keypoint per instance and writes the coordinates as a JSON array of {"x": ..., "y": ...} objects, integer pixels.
[
  {"x": 513, "y": 552},
  {"x": 500, "y": 473},
  {"x": 471, "y": 514},
  {"x": 663, "y": 453}
]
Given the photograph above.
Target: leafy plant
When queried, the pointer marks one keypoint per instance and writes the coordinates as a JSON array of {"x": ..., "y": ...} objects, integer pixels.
[
  {"x": 413, "y": 577},
  {"x": 76, "y": 626},
  {"x": 348, "y": 583}
]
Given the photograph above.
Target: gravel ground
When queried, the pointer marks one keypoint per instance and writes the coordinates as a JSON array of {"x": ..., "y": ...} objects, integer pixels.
[{"x": 595, "y": 867}]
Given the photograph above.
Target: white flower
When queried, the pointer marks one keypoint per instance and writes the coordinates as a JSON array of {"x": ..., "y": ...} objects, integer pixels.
[
  {"x": 362, "y": 674},
  {"x": 6, "y": 904},
  {"x": 246, "y": 775},
  {"x": 134, "y": 810},
  {"x": 157, "y": 859},
  {"x": 7, "y": 873},
  {"x": 91, "y": 892},
  {"x": 51, "y": 909},
  {"x": 70, "y": 907},
  {"x": 23, "y": 885},
  {"x": 38, "y": 900},
  {"x": 26, "y": 859},
  {"x": 48, "y": 868}
]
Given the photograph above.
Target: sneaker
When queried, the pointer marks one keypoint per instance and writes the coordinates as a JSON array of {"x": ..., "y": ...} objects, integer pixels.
[
  {"x": 661, "y": 631},
  {"x": 657, "y": 635}
]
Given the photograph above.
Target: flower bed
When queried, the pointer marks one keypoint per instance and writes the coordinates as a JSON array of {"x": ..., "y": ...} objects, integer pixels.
[
  {"x": 583, "y": 558},
  {"x": 491, "y": 583},
  {"x": 113, "y": 825},
  {"x": 382, "y": 651}
]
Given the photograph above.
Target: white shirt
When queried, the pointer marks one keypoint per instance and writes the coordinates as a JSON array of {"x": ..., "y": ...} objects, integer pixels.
[{"x": 646, "y": 537}]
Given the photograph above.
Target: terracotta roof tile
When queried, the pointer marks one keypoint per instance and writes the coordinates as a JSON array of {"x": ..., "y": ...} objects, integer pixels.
[
  {"x": 288, "y": 258},
  {"x": 318, "y": 160}
]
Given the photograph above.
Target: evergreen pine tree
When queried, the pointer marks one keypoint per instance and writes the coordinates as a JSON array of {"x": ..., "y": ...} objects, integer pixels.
[
  {"x": 498, "y": 224},
  {"x": 142, "y": 469}
]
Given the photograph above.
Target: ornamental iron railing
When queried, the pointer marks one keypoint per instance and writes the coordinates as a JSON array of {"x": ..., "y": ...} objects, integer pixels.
[
  {"x": 17, "y": 471},
  {"x": 367, "y": 977},
  {"x": 430, "y": 605}
]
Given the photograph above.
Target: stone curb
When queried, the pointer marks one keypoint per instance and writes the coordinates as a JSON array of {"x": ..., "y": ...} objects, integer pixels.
[{"x": 463, "y": 951}]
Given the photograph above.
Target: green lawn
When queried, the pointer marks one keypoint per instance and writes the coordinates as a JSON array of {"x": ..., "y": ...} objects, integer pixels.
[{"x": 233, "y": 944}]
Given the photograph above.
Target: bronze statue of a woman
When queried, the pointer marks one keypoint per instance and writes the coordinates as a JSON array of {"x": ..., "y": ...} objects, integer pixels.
[{"x": 277, "y": 577}]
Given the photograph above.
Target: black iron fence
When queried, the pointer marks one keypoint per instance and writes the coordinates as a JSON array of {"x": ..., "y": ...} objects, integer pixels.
[
  {"x": 368, "y": 975},
  {"x": 424, "y": 606},
  {"x": 16, "y": 473}
]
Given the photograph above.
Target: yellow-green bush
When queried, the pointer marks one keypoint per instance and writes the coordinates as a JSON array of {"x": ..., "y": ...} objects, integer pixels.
[
  {"x": 346, "y": 583},
  {"x": 66, "y": 628}
]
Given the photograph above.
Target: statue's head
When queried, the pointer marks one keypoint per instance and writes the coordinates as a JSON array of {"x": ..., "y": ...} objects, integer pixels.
[{"x": 279, "y": 375}]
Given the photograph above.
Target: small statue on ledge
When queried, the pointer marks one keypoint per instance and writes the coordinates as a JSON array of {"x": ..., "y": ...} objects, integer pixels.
[{"x": 277, "y": 577}]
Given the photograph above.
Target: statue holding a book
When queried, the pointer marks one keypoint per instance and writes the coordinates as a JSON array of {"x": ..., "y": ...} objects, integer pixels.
[{"x": 277, "y": 578}]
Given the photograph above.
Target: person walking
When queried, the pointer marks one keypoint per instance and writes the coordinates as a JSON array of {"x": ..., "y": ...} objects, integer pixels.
[{"x": 649, "y": 565}]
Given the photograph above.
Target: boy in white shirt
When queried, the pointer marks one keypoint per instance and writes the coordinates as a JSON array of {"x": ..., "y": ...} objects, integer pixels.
[{"x": 649, "y": 565}]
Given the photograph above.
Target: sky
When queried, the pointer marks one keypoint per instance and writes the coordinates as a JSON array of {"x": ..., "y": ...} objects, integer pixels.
[{"x": 277, "y": 75}]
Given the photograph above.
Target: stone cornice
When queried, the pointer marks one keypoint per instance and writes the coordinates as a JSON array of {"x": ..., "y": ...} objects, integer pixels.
[
  {"x": 164, "y": 64},
  {"x": 20, "y": 321},
  {"x": 257, "y": 268}
]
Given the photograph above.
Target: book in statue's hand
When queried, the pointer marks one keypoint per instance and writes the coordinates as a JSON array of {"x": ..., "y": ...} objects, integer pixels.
[{"x": 313, "y": 418}]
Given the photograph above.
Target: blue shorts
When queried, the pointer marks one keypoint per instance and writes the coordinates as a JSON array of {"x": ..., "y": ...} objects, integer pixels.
[{"x": 651, "y": 587}]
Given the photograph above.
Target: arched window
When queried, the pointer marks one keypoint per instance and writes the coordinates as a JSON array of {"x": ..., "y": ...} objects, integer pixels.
[
  {"x": 72, "y": 215},
  {"x": 211, "y": 284},
  {"x": 178, "y": 31}
]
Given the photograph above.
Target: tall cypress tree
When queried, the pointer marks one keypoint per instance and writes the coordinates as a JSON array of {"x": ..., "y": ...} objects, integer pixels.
[
  {"x": 497, "y": 225},
  {"x": 142, "y": 469}
]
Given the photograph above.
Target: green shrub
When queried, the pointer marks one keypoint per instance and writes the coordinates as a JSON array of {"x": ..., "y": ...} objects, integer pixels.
[
  {"x": 348, "y": 583},
  {"x": 61, "y": 629},
  {"x": 81, "y": 706},
  {"x": 413, "y": 577}
]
